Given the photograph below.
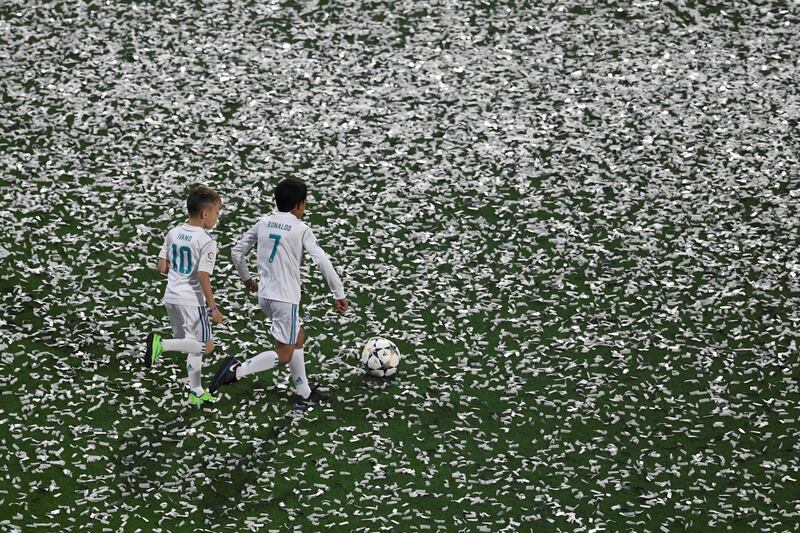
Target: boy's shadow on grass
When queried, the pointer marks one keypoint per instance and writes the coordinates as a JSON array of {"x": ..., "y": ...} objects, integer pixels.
[{"x": 169, "y": 447}]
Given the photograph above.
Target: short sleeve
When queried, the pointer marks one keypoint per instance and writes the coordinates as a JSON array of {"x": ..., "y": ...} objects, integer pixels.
[
  {"x": 208, "y": 256},
  {"x": 163, "y": 253}
]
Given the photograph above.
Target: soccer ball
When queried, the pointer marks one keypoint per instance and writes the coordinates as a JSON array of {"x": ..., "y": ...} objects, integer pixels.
[{"x": 380, "y": 357}]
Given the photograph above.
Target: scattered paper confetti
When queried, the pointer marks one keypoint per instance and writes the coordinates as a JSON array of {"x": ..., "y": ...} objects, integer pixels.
[{"x": 579, "y": 224}]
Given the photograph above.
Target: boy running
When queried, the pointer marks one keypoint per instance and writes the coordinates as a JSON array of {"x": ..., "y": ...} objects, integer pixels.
[
  {"x": 188, "y": 257},
  {"x": 281, "y": 239}
]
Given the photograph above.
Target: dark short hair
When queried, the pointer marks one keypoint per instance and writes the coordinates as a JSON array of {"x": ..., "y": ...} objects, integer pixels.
[
  {"x": 289, "y": 193},
  {"x": 201, "y": 197}
]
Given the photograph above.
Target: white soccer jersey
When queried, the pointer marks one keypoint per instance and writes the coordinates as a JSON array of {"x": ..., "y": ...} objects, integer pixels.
[
  {"x": 281, "y": 239},
  {"x": 188, "y": 250}
]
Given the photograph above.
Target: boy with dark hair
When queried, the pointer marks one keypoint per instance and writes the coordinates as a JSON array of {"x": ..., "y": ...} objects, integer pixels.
[
  {"x": 281, "y": 239},
  {"x": 187, "y": 258}
]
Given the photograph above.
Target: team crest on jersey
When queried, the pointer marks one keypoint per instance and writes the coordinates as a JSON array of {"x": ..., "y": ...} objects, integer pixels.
[{"x": 210, "y": 256}]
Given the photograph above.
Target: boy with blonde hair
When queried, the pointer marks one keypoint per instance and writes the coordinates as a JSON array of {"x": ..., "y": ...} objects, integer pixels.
[{"x": 187, "y": 258}]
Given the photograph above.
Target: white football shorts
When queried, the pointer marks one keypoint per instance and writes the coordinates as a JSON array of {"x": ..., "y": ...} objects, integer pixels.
[
  {"x": 285, "y": 320},
  {"x": 190, "y": 322}
]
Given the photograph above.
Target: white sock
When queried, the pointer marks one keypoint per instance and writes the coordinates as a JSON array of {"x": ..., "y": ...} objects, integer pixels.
[
  {"x": 194, "y": 367},
  {"x": 259, "y": 363},
  {"x": 298, "y": 367},
  {"x": 183, "y": 345}
]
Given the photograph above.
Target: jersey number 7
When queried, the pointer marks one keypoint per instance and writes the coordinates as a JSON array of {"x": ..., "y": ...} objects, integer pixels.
[{"x": 277, "y": 239}]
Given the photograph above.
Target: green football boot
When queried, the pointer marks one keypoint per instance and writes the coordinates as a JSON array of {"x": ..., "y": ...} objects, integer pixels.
[
  {"x": 153, "y": 349},
  {"x": 206, "y": 397}
]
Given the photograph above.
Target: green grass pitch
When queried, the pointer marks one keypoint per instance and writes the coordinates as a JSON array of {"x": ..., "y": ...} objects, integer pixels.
[{"x": 578, "y": 222}]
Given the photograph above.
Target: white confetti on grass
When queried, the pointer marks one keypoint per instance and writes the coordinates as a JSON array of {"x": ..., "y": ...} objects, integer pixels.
[{"x": 591, "y": 275}]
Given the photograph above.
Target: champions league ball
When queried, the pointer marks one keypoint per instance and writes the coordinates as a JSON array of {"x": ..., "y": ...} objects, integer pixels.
[{"x": 380, "y": 357}]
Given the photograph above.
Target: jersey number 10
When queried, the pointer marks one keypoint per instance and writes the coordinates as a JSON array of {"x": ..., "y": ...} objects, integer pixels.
[{"x": 182, "y": 259}]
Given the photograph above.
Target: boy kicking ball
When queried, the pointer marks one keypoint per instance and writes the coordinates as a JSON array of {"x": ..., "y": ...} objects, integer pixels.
[
  {"x": 188, "y": 257},
  {"x": 281, "y": 239}
]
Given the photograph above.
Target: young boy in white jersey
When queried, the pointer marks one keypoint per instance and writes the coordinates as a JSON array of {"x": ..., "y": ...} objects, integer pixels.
[
  {"x": 281, "y": 239},
  {"x": 187, "y": 258}
]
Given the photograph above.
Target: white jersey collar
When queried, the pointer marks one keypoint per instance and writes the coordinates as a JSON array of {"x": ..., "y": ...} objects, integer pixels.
[{"x": 286, "y": 214}]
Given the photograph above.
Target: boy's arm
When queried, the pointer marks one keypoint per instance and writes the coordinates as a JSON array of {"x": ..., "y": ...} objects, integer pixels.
[
  {"x": 205, "y": 284},
  {"x": 208, "y": 257},
  {"x": 325, "y": 266},
  {"x": 163, "y": 265},
  {"x": 239, "y": 255},
  {"x": 208, "y": 292}
]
